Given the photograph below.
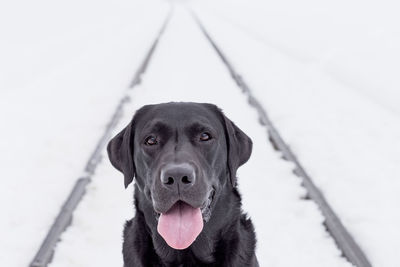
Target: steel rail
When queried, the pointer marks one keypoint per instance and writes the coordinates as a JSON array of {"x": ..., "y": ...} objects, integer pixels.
[
  {"x": 64, "y": 218},
  {"x": 345, "y": 242}
]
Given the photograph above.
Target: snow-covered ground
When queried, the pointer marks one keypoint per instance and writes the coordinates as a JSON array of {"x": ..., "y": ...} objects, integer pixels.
[
  {"x": 63, "y": 68},
  {"x": 185, "y": 68},
  {"x": 347, "y": 142},
  {"x": 354, "y": 42},
  {"x": 326, "y": 73}
]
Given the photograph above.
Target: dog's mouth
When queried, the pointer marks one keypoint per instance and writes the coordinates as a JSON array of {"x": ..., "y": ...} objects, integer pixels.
[
  {"x": 182, "y": 223},
  {"x": 206, "y": 207}
]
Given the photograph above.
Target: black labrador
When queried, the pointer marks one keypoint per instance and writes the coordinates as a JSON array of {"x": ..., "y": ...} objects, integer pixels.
[{"x": 184, "y": 158}]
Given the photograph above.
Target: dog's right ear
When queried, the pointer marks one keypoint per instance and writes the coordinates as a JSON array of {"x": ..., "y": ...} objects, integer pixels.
[{"x": 120, "y": 150}]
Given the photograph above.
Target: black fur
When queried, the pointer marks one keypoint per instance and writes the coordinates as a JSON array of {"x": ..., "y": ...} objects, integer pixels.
[{"x": 228, "y": 237}]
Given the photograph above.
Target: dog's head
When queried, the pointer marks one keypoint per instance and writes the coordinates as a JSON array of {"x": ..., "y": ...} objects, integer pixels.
[{"x": 182, "y": 156}]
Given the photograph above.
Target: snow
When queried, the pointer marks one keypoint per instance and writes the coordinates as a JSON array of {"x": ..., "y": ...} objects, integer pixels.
[
  {"x": 347, "y": 142},
  {"x": 62, "y": 74},
  {"x": 271, "y": 193},
  {"x": 354, "y": 42},
  {"x": 325, "y": 71}
]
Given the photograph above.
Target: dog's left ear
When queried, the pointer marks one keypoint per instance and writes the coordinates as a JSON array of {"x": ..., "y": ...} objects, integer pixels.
[
  {"x": 120, "y": 153},
  {"x": 239, "y": 147}
]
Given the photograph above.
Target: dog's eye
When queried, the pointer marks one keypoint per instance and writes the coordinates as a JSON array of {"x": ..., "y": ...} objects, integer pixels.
[
  {"x": 151, "y": 141},
  {"x": 205, "y": 137}
]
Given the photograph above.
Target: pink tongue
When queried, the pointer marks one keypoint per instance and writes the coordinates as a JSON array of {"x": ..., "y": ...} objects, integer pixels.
[{"x": 180, "y": 225}]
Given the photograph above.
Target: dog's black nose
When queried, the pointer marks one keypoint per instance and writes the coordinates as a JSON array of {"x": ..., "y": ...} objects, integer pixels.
[{"x": 176, "y": 176}]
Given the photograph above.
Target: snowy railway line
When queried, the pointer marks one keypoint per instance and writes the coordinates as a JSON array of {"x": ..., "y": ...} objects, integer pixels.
[
  {"x": 343, "y": 239},
  {"x": 45, "y": 253}
]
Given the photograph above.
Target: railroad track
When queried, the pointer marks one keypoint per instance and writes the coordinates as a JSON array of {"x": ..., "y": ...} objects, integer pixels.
[
  {"x": 45, "y": 253},
  {"x": 343, "y": 239},
  {"x": 345, "y": 242}
]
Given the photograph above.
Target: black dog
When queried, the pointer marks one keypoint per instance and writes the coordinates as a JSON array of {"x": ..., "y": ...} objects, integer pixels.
[{"x": 184, "y": 158}]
